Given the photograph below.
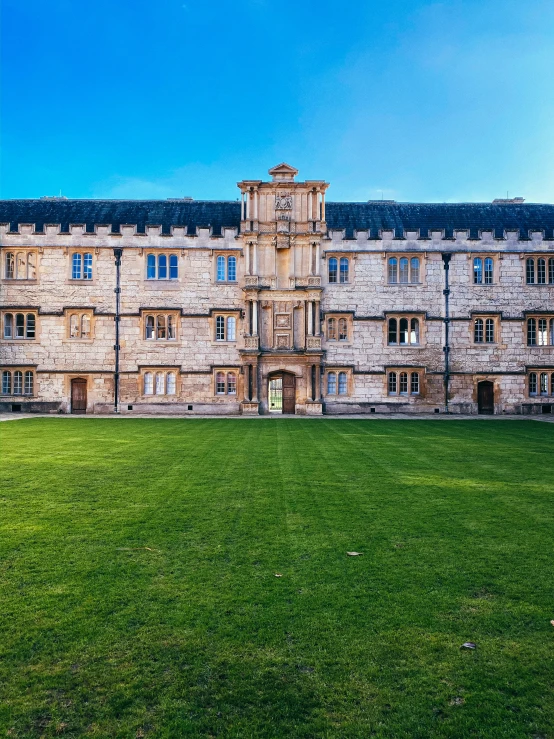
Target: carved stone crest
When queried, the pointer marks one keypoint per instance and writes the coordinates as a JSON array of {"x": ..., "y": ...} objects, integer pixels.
[{"x": 283, "y": 201}]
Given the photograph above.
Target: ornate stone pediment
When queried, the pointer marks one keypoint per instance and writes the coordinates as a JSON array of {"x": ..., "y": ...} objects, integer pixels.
[{"x": 283, "y": 172}]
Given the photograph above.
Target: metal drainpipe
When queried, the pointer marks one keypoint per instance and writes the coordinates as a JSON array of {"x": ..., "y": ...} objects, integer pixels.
[
  {"x": 446, "y": 349},
  {"x": 117, "y": 254}
]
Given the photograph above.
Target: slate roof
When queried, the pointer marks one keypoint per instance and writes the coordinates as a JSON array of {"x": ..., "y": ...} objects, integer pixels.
[{"x": 372, "y": 216}]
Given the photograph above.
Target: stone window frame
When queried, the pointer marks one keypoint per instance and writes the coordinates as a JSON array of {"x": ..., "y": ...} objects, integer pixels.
[
  {"x": 549, "y": 269},
  {"x": 82, "y": 250},
  {"x": 497, "y": 328},
  {"x": 398, "y": 372},
  {"x": 25, "y": 370},
  {"x": 168, "y": 253},
  {"x": 225, "y": 253},
  {"x": 409, "y": 316},
  {"x": 472, "y": 256},
  {"x": 534, "y": 382},
  {"x": 174, "y": 314},
  {"x": 14, "y": 253},
  {"x": 338, "y": 317},
  {"x": 409, "y": 255},
  {"x": 224, "y": 375},
  {"x": 340, "y": 256},
  {"x": 337, "y": 371},
  {"x": 80, "y": 312},
  {"x": 549, "y": 317},
  {"x": 14, "y": 312},
  {"x": 152, "y": 372},
  {"x": 226, "y": 314}
]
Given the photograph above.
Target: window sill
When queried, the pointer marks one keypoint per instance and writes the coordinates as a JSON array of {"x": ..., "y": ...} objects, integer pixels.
[
  {"x": 16, "y": 397},
  {"x": 404, "y": 284},
  {"x": 18, "y": 341},
  {"x": 16, "y": 281},
  {"x": 226, "y": 282}
]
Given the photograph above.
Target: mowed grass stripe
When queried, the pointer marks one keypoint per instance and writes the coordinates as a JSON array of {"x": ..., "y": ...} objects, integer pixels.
[{"x": 138, "y": 593}]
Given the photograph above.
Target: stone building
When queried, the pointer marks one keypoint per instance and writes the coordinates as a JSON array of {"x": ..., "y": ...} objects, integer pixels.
[{"x": 277, "y": 302}]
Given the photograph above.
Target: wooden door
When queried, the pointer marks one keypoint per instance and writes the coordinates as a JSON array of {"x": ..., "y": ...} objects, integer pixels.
[
  {"x": 485, "y": 397},
  {"x": 78, "y": 396},
  {"x": 289, "y": 393}
]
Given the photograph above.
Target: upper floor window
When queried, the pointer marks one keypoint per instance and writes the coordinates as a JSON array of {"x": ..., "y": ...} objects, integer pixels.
[
  {"x": 540, "y": 331},
  {"x": 539, "y": 271},
  {"x": 79, "y": 325},
  {"x": 483, "y": 270},
  {"x": 337, "y": 329},
  {"x": 159, "y": 383},
  {"x": 339, "y": 269},
  {"x": 81, "y": 266},
  {"x": 162, "y": 266},
  {"x": 160, "y": 326},
  {"x": 403, "y": 383},
  {"x": 19, "y": 325},
  {"x": 18, "y": 382},
  {"x": 337, "y": 383},
  {"x": 225, "y": 383},
  {"x": 226, "y": 268},
  {"x": 403, "y": 331},
  {"x": 403, "y": 270},
  {"x": 225, "y": 328},
  {"x": 20, "y": 265},
  {"x": 484, "y": 331},
  {"x": 541, "y": 383}
]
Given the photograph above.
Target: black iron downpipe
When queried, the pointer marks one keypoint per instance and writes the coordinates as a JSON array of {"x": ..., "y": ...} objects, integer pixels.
[
  {"x": 117, "y": 254},
  {"x": 446, "y": 349}
]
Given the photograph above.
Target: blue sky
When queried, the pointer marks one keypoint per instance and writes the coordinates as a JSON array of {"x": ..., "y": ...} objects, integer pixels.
[{"x": 401, "y": 99}]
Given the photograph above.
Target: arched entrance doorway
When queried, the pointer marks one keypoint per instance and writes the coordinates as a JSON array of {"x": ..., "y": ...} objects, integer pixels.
[
  {"x": 281, "y": 393},
  {"x": 79, "y": 395},
  {"x": 485, "y": 396}
]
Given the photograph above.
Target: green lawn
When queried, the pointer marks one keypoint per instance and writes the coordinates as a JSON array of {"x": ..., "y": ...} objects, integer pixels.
[{"x": 138, "y": 595}]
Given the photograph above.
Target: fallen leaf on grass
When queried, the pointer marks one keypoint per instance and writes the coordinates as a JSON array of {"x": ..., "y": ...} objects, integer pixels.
[
  {"x": 552, "y": 622},
  {"x": 468, "y": 645},
  {"x": 278, "y": 575},
  {"x": 354, "y": 554}
]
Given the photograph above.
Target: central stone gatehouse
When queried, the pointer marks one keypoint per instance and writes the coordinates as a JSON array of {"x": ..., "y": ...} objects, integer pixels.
[{"x": 279, "y": 303}]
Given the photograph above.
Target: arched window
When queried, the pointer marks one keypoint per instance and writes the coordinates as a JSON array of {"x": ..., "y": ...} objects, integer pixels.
[
  {"x": 76, "y": 266},
  {"x": 220, "y": 328},
  {"x": 231, "y": 324},
  {"x": 541, "y": 271},
  {"x": 404, "y": 271},
  {"x": 30, "y": 326},
  {"x": 489, "y": 271},
  {"x": 551, "y": 271},
  {"x": 220, "y": 383},
  {"x": 477, "y": 271},
  {"x": 393, "y": 270},
  {"x": 343, "y": 329},
  {"x": 414, "y": 387},
  {"x": 403, "y": 324},
  {"x": 531, "y": 332},
  {"x": 8, "y": 326},
  {"x": 530, "y": 271},
  {"x": 332, "y": 329},
  {"x": 171, "y": 383},
  {"x": 403, "y": 383},
  {"x": 414, "y": 331},
  {"x": 552, "y": 332},
  {"x": 544, "y": 384},
  {"x": 87, "y": 266},
  {"x": 231, "y": 269},
  {"x": 160, "y": 383},
  {"x": 173, "y": 267},
  {"x": 344, "y": 269},
  {"x": 393, "y": 330},
  {"x": 160, "y": 327},
  {"x": 31, "y": 266},
  {"x": 532, "y": 383},
  {"x": 162, "y": 267},
  {"x": 151, "y": 267},
  {"x": 343, "y": 384},
  {"x": 85, "y": 326},
  {"x": 221, "y": 269},
  {"x": 489, "y": 330},
  {"x": 148, "y": 383},
  {"x": 333, "y": 267},
  {"x": 170, "y": 327},
  {"x": 74, "y": 326},
  {"x": 21, "y": 265},
  {"x": 542, "y": 334},
  {"x": 28, "y": 387},
  {"x": 6, "y": 383},
  {"x": 18, "y": 383},
  {"x": 392, "y": 383},
  {"x": 19, "y": 326},
  {"x": 414, "y": 270},
  {"x": 478, "y": 331},
  {"x": 10, "y": 265},
  {"x": 331, "y": 383},
  {"x": 150, "y": 327},
  {"x": 231, "y": 383}
]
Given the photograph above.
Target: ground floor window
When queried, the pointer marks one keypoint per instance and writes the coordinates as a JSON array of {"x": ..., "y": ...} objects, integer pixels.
[
  {"x": 337, "y": 383},
  {"x": 18, "y": 382},
  {"x": 225, "y": 383},
  {"x": 159, "y": 383},
  {"x": 541, "y": 383},
  {"x": 404, "y": 382}
]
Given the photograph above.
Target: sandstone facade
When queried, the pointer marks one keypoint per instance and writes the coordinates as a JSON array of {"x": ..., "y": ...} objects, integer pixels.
[{"x": 279, "y": 299}]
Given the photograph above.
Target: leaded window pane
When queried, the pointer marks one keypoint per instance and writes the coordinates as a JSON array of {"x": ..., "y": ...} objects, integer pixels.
[
  {"x": 170, "y": 327},
  {"x": 18, "y": 383},
  {"x": 478, "y": 331},
  {"x": 332, "y": 329},
  {"x": 343, "y": 329},
  {"x": 551, "y": 271},
  {"x": 30, "y": 329},
  {"x": 151, "y": 267},
  {"x": 477, "y": 271},
  {"x": 31, "y": 266},
  {"x": 85, "y": 326},
  {"x": 541, "y": 271},
  {"x": 21, "y": 266},
  {"x": 333, "y": 267},
  {"x": 403, "y": 383},
  {"x": 171, "y": 383},
  {"x": 331, "y": 383},
  {"x": 489, "y": 271},
  {"x": 552, "y": 384},
  {"x": 403, "y": 330},
  {"x": 76, "y": 266},
  {"x": 343, "y": 384},
  {"x": 414, "y": 386},
  {"x": 149, "y": 327},
  {"x": 393, "y": 324},
  {"x": 414, "y": 331},
  {"x": 221, "y": 269},
  {"x": 489, "y": 330},
  {"x": 220, "y": 328},
  {"x": 530, "y": 271},
  {"x": 160, "y": 329},
  {"x": 6, "y": 383},
  {"x": 173, "y": 267},
  {"x": 531, "y": 332},
  {"x": 231, "y": 324},
  {"x": 552, "y": 332},
  {"x": 148, "y": 383},
  {"x": 162, "y": 267},
  {"x": 8, "y": 326},
  {"x": 404, "y": 277},
  {"x": 220, "y": 383},
  {"x": 393, "y": 270},
  {"x": 542, "y": 334},
  {"x": 414, "y": 270},
  {"x": 392, "y": 383},
  {"x": 74, "y": 326},
  {"x": 344, "y": 269},
  {"x": 160, "y": 383},
  {"x": 544, "y": 383},
  {"x": 19, "y": 326},
  {"x": 87, "y": 266},
  {"x": 231, "y": 384},
  {"x": 232, "y": 269},
  {"x": 533, "y": 383},
  {"x": 28, "y": 383},
  {"x": 10, "y": 265}
]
